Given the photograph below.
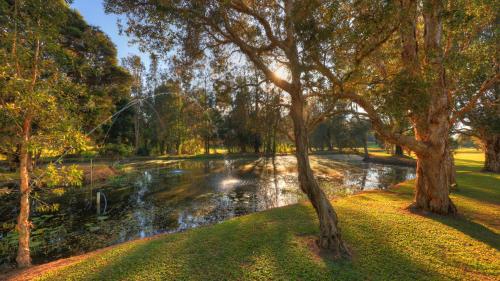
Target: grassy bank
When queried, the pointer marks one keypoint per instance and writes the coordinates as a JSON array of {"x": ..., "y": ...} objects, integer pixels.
[{"x": 388, "y": 242}]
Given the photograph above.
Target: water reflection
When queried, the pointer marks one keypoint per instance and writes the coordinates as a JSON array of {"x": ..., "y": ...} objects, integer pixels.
[{"x": 188, "y": 194}]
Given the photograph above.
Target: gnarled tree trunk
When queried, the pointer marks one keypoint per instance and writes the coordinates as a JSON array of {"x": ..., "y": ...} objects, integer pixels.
[
  {"x": 431, "y": 120},
  {"x": 433, "y": 183},
  {"x": 435, "y": 165},
  {"x": 492, "y": 153},
  {"x": 330, "y": 237}
]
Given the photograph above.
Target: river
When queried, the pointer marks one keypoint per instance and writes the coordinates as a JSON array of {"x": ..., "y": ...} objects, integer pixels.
[{"x": 175, "y": 197}]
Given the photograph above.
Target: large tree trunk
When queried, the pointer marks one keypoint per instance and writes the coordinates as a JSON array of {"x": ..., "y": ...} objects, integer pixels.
[
  {"x": 433, "y": 183},
  {"x": 23, "y": 258},
  {"x": 492, "y": 153},
  {"x": 330, "y": 237},
  {"x": 431, "y": 122}
]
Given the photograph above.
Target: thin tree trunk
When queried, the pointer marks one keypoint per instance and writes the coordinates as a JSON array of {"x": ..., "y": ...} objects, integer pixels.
[
  {"x": 207, "y": 145},
  {"x": 398, "y": 151},
  {"x": 23, "y": 258},
  {"x": 492, "y": 153},
  {"x": 330, "y": 237},
  {"x": 365, "y": 148},
  {"x": 178, "y": 148},
  {"x": 256, "y": 144},
  {"x": 136, "y": 129},
  {"x": 450, "y": 164},
  {"x": 162, "y": 147},
  {"x": 274, "y": 133}
]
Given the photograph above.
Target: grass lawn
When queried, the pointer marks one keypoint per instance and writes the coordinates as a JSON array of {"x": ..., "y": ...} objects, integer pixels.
[{"x": 388, "y": 242}]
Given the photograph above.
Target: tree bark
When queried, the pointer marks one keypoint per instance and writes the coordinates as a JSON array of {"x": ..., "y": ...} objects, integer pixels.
[
  {"x": 433, "y": 184},
  {"x": 23, "y": 258},
  {"x": 431, "y": 123},
  {"x": 492, "y": 153},
  {"x": 330, "y": 237}
]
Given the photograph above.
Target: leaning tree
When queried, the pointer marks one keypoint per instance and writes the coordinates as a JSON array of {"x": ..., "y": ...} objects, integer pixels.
[{"x": 271, "y": 35}]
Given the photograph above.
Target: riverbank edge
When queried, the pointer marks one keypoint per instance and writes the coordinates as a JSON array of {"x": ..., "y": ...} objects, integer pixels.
[
  {"x": 106, "y": 168},
  {"x": 392, "y": 160},
  {"x": 472, "y": 201},
  {"x": 133, "y": 168},
  {"x": 26, "y": 274}
]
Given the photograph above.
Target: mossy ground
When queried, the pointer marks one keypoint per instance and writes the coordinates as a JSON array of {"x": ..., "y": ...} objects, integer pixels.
[{"x": 388, "y": 242}]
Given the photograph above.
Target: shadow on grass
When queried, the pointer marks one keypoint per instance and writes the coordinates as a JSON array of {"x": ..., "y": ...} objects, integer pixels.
[
  {"x": 468, "y": 164},
  {"x": 479, "y": 186},
  {"x": 470, "y": 228},
  {"x": 263, "y": 246}
]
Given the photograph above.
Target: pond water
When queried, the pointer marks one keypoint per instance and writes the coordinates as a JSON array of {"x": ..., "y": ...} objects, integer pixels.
[{"x": 179, "y": 196}]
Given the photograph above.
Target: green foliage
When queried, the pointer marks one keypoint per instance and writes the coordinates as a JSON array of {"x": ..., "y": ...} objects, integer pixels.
[
  {"x": 62, "y": 177},
  {"x": 191, "y": 146},
  {"x": 120, "y": 149},
  {"x": 51, "y": 208},
  {"x": 78, "y": 81},
  {"x": 408, "y": 95},
  {"x": 340, "y": 131}
]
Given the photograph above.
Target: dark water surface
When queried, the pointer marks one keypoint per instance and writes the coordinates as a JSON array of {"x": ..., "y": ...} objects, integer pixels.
[{"x": 176, "y": 197}]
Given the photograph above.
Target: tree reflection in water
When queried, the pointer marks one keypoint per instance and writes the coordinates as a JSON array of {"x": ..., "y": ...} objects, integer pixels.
[{"x": 191, "y": 193}]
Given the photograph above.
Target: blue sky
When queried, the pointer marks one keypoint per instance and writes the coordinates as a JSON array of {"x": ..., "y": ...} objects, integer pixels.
[{"x": 93, "y": 12}]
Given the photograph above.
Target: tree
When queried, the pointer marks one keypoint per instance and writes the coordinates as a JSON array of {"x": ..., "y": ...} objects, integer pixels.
[
  {"x": 265, "y": 33},
  {"x": 479, "y": 115},
  {"x": 89, "y": 59},
  {"x": 135, "y": 66},
  {"x": 36, "y": 96},
  {"x": 483, "y": 122},
  {"x": 416, "y": 86}
]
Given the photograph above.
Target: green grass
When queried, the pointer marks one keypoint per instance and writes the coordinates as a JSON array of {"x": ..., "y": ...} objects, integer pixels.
[{"x": 388, "y": 242}]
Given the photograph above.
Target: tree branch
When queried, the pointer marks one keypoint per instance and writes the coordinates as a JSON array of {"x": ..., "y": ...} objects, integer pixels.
[{"x": 487, "y": 84}]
